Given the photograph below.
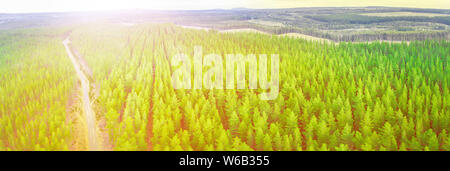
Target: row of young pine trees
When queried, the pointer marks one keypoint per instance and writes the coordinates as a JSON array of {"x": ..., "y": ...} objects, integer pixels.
[
  {"x": 36, "y": 80},
  {"x": 376, "y": 96},
  {"x": 345, "y": 96}
]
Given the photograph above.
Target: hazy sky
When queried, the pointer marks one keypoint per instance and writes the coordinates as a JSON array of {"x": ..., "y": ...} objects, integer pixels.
[{"x": 89, "y": 5}]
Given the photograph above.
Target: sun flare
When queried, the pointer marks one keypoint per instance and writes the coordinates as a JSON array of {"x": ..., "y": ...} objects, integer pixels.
[{"x": 17, "y": 6}]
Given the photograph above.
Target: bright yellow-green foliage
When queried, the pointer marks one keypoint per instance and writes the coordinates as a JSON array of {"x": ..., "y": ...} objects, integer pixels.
[
  {"x": 124, "y": 82},
  {"x": 35, "y": 81},
  {"x": 377, "y": 96}
]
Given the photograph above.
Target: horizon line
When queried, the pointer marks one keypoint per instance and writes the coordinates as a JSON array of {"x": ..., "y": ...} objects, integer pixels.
[{"x": 208, "y": 9}]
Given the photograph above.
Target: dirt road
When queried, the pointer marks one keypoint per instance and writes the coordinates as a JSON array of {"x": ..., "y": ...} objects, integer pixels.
[{"x": 87, "y": 108}]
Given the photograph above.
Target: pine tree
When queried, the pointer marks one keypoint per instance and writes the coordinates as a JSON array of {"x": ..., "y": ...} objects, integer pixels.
[
  {"x": 234, "y": 123},
  {"x": 267, "y": 143},
  {"x": 389, "y": 141}
]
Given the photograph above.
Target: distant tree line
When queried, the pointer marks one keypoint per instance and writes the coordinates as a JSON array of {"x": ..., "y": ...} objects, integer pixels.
[
  {"x": 351, "y": 37},
  {"x": 362, "y": 19}
]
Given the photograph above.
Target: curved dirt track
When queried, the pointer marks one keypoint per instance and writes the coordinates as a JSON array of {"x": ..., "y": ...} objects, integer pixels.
[{"x": 85, "y": 86}]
